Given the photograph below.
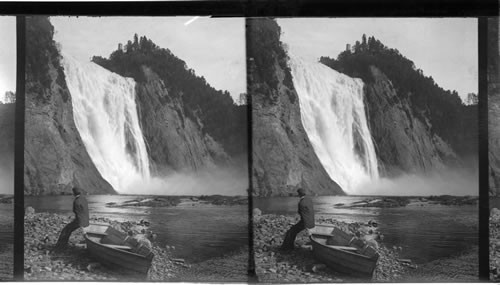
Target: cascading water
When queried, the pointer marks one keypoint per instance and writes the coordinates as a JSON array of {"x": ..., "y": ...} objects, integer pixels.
[
  {"x": 106, "y": 117},
  {"x": 333, "y": 115}
]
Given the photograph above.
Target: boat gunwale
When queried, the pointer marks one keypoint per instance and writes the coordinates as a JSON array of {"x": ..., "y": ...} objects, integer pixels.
[
  {"x": 117, "y": 249},
  {"x": 375, "y": 258}
]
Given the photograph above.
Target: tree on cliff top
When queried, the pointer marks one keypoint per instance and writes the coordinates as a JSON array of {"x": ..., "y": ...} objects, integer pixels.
[
  {"x": 10, "y": 97},
  {"x": 442, "y": 108},
  {"x": 222, "y": 118}
]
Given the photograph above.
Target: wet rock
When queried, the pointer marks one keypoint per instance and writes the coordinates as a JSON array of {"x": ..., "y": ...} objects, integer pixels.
[
  {"x": 495, "y": 215},
  {"x": 29, "y": 212},
  {"x": 93, "y": 266},
  {"x": 256, "y": 212},
  {"x": 318, "y": 267}
]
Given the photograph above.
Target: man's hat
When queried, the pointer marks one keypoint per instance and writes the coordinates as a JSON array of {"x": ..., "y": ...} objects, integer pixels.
[
  {"x": 301, "y": 192},
  {"x": 77, "y": 191}
]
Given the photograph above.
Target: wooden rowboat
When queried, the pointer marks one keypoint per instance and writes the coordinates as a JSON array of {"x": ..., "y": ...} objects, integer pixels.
[
  {"x": 334, "y": 248},
  {"x": 110, "y": 247}
]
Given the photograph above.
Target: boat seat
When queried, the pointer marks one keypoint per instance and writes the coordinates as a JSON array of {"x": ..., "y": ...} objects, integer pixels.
[
  {"x": 97, "y": 233},
  {"x": 350, "y": 248},
  {"x": 126, "y": 247}
]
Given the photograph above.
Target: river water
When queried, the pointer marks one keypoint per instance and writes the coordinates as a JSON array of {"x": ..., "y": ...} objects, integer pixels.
[
  {"x": 197, "y": 232},
  {"x": 425, "y": 233}
]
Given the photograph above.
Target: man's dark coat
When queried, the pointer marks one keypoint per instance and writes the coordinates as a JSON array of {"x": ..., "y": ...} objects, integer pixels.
[
  {"x": 81, "y": 210},
  {"x": 306, "y": 212}
]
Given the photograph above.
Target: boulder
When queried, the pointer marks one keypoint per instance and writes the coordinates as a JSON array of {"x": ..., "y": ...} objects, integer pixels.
[
  {"x": 29, "y": 212},
  {"x": 495, "y": 215},
  {"x": 256, "y": 212}
]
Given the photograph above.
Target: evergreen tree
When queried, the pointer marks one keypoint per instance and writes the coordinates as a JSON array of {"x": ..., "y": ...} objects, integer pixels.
[
  {"x": 10, "y": 97},
  {"x": 136, "y": 42}
]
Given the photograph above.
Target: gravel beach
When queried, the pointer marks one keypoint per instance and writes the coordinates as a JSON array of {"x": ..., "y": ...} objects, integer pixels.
[
  {"x": 273, "y": 265},
  {"x": 7, "y": 262},
  {"x": 495, "y": 245},
  {"x": 75, "y": 263},
  {"x": 7, "y": 246}
]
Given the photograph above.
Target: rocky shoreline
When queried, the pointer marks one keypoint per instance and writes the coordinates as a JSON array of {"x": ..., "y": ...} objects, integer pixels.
[
  {"x": 172, "y": 201},
  {"x": 274, "y": 265},
  {"x": 6, "y": 199},
  {"x": 74, "y": 263},
  {"x": 402, "y": 201}
]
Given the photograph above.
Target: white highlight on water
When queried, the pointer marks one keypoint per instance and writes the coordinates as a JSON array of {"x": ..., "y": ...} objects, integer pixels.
[
  {"x": 106, "y": 117},
  {"x": 333, "y": 115}
]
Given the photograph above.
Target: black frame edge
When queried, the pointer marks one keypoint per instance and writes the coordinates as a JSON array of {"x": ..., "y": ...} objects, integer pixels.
[
  {"x": 252, "y": 277},
  {"x": 483, "y": 150},
  {"x": 19, "y": 152}
]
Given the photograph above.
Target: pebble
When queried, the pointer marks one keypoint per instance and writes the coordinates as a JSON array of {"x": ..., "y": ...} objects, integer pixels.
[{"x": 318, "y": 267}]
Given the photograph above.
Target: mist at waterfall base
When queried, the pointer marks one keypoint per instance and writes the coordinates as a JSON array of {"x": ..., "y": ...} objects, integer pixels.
[
  {"x": 7, "y": 172},
  {"x": 6, "y": 181},
  {"x": 454, "y": 182},
  {"x": 212, "y": 181}
]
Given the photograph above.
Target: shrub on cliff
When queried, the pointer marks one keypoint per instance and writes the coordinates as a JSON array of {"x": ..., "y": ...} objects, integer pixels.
[
  {"x": 265, "y": 47},
  {"x": 39, "y": 33}
]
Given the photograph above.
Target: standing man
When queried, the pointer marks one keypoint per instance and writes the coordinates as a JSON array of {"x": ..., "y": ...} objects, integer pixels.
[
  {"x": 306, "y": 212},
  {"x": 81, "y": 210}
]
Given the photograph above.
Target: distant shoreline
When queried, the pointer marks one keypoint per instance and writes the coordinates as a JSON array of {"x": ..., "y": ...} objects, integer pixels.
[{"x": 170, "y": 201}]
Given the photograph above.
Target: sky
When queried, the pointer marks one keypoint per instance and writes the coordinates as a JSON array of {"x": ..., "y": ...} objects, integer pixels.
[
  {"x": 214, "y": 48},
  {"x": 7, "y": 55},
  {"x": 445, "y": 49}
]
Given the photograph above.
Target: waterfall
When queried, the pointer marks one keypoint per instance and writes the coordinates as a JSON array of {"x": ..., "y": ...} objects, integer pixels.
[
  {"x": 105, "y": 115},
  {"x": 333, "y": 115}
]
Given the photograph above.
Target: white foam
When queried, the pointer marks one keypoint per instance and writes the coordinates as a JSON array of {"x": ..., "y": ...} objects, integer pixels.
[
  {"x": 333, "y": 115},
  {"x": 105, "y": 115}
]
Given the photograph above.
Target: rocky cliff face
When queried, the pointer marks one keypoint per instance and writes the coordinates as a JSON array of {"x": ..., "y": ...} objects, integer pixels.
[
  {"x": 403, "y": 142},
  {"x": 494, "y": 106},
  {"x": 283, "y": 157},
  {"x": 174, "y": 140},
  {"x": 54, "y": 154}
]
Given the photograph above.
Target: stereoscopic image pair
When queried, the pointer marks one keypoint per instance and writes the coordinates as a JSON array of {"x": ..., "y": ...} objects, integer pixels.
[{"x": 275, "y": 150}]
